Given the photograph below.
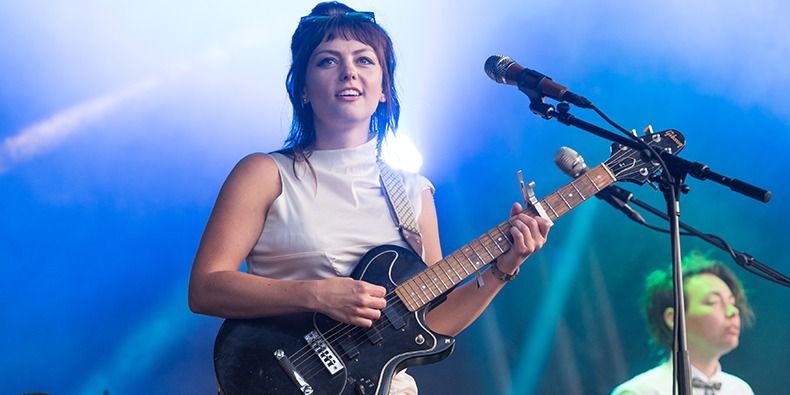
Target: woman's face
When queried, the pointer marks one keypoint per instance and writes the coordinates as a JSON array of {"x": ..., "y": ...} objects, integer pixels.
[
  {"x": 713, "y": 323},
  {"x": 343, "y": 84}
]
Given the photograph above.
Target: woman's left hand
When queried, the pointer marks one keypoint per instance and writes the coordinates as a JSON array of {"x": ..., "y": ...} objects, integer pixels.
[{"x": 529, "y": 235}]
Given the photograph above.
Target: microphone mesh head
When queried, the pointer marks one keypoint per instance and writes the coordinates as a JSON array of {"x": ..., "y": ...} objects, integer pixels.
[
  {"x": 570, "y": 162},
  {"x": 495, "y": 67}
]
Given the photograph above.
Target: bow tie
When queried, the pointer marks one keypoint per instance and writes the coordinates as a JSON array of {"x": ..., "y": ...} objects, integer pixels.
[{"x": 710, "y": 388}]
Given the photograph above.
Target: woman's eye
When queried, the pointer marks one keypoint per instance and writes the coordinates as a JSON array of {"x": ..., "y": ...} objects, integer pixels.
[
  {"x": 366, "y": 60},
  {"x": 326, "y": 62}
]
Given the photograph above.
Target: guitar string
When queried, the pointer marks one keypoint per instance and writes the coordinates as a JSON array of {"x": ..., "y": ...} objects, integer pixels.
[
  {"x": 343, "y": 329},
  {"x": 332, "y": 337},
  {"x": 312, "y": 367},
  {"x": 308, "y": 366},
  {"x": 332, "y": 334},
  {"x": 356, "y": 340}
]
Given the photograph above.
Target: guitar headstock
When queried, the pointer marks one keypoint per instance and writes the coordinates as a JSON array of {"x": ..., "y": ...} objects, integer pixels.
[{"x": 628, "y": 164}]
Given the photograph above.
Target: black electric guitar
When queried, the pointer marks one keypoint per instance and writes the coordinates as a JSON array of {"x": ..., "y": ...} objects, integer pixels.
[{"x": 310, "y": 353}]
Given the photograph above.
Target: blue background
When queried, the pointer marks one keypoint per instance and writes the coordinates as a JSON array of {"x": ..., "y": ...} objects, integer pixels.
[{"x": 119, "y": 122}]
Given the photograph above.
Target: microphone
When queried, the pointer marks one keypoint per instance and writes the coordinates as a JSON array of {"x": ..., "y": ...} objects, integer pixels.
[
  {"x": 505, "y": 70},
  {"x": 572, "y": 164}
]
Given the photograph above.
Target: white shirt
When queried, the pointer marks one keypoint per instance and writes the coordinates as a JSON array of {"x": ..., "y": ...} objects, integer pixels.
[
  {"x": 658, "y": 381},
  {"x": 321, "y": 227}
]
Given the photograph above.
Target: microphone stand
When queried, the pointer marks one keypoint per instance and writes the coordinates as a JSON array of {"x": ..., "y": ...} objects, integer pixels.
[
  {"x": 681, "y": 371},
  {"x": 743, "y": 259},
  {"x": 671, "y": 184}
]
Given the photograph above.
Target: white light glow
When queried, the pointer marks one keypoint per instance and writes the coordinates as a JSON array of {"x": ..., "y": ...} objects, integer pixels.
[{"x": 400, "y": 152}]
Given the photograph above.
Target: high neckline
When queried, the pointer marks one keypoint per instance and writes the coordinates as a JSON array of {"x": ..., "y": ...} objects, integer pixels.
[{"x": 345, "y": 159}]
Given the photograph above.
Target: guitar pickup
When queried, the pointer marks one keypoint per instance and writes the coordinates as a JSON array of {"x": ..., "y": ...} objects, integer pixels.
[
  {"x": 373, "y": 335},
  {"x": 349, "y": 348},
  {"x": 395, "y": 318}
]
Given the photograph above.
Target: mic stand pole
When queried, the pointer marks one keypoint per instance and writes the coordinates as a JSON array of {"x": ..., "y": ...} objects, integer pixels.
[
  {"x": 681, "y": 371},
  {"x": 671, "y": 186}
]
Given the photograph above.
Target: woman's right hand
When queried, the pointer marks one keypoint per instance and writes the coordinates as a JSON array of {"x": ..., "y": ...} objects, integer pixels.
[{"x": 351, "y": 301}]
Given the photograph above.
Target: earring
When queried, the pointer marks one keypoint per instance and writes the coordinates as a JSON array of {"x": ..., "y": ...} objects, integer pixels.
[
  {"x": 305, "y": 100},
  {"x": 383, "y": 98}
]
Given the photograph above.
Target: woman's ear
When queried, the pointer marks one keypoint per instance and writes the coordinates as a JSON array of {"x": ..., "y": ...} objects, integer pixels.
[{"x": 669, "y": 317}]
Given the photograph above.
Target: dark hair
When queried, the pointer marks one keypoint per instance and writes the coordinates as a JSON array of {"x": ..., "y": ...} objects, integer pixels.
[
  {"x": 306, "y": 38},
  {"x": 659, "y": 296}
]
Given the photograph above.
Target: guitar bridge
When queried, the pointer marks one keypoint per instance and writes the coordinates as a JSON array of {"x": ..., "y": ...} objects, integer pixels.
[
  {"x": 290, "y": 370},
  {"x": 324, "y": 352}
]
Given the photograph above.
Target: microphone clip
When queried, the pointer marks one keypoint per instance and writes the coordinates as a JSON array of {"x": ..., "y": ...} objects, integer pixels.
[{"x": 538, "y": 107}]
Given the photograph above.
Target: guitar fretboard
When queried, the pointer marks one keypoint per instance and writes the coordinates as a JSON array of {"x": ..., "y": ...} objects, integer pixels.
[{"x": 472, "y": 257}]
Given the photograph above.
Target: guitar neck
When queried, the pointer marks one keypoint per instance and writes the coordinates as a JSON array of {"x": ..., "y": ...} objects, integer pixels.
[{"x": 473, "y": 256}]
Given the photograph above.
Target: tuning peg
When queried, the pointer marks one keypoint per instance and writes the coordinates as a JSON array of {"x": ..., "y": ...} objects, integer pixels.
[
  {"x": 648, "y": 130},
  {"x": 633, "y": 133}
]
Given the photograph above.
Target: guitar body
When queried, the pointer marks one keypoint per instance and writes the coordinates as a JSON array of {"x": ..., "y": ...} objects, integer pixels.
[{"x": 360, "y": 360}]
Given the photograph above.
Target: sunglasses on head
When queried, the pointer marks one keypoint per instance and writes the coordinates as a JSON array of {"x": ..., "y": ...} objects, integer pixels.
[{"x": 358, "y": 15}]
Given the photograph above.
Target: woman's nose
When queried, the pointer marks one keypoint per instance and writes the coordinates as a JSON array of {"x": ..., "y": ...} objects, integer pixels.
[
  {"x": 732, "y": 310},
  {"x": 349, "y": 72}
]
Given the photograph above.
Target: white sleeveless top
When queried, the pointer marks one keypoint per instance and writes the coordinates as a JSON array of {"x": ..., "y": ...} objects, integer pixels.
[{"x": 321, "y": 227}]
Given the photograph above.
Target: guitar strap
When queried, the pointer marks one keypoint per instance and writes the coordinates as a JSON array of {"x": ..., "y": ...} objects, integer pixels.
[{"x": 400, "y": 206}]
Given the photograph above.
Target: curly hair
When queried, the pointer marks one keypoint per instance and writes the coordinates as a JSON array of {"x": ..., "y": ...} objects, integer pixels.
[{"x": 659, "y": 295}]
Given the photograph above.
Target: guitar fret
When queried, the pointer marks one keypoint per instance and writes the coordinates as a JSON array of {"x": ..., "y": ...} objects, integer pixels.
[
  {"x": 546, "y": 202},
  {"x": 487, "y": 250},
  {"x": 404, "y": 301},
  {"x": 573, "y": 184},
  {"x": 446, "y": 273},
  {"x": 495, "y": 243},
  {"x": 504, "y": 236},
  {"x": 462, "y": 266},
  {"x": 572, "y": 197},
  {"x": 438, "y": 277},
  {"x": 420, "y": 291},
  {"x": 413, "y": 293},
  {"x": 455, "y": 271},
  {"x": 478, "y": 256},
  {"x": 468, "y": 259},
  {"x": 563, "y": 199},
  {"x": 402, "y": 294},
  {"x": 426, "y": 286},
  {"x": 587, "y": 174},
  {"x": 435, "y": 284}
]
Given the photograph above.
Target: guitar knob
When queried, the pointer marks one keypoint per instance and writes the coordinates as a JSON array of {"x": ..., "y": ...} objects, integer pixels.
[{"x": 360, "y": 388}]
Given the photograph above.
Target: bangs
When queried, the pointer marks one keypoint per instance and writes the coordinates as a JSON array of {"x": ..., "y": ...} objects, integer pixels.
[{"x": 364, "y": 32}]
